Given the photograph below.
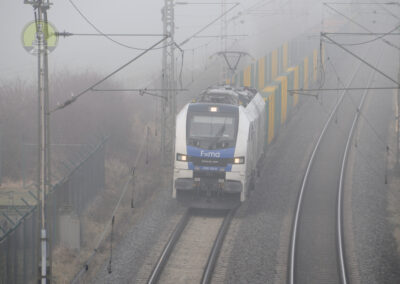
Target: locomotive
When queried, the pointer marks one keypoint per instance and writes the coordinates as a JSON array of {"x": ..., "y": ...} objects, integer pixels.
[{"x": 219, "y": 144}]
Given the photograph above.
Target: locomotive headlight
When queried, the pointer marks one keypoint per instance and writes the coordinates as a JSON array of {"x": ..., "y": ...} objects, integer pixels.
[
  {"x": 181, "y": 157},
  {"x": 238, "y": 160},
  {"x": 213, "y": 109}
]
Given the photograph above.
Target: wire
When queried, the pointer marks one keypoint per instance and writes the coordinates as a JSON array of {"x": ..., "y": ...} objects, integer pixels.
[
  {"x": 106, "y": 35},
  {"x": 200, "y": 46},
  {"x": 138, "y": 48},
  {"x": 364, "y": 61},
  {"x": 146, "y": 50},
  {"x": 344, "y": 89},
  {"x": 182, "y": 59},
  {"x": 141, "y": 92},
  {"x": 362, "y": 113},
  {"x": 73, "y": 99},
  {"x": 374, "y": 39},
  {"x": 208, "y": 25},
  {"x": 359, "y": 25},
  {"x": 65, "y": 34},
  {"x": 341, "y": 130},
  {"x": 361, "y": 34},
  {"x": 389, "y": 12}
]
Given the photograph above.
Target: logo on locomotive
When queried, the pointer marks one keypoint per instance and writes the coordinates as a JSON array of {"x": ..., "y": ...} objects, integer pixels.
[{"x": 210, "y": 154}]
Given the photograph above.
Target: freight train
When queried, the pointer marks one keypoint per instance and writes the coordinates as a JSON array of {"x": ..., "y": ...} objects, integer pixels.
[{"x": 219, "y": 144}]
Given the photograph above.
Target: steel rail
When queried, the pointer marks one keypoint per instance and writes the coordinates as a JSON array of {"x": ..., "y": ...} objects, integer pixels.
[
  {"x": 340, "y": 236},
  {"x": 162, "y": 261},
  {"x": 212, "y": 258},
  {"x": 305, "y": 179}
]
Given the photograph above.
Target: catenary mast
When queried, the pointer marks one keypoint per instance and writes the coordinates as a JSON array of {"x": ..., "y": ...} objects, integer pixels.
[{"x": 168, "y": 105}]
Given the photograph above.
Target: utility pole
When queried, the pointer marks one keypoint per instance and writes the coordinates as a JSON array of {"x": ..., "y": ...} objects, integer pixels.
[
  {"x": 168, "y": 105},
  {"x": 398, "y": 120},
  {"x": 42, "y": 33}
]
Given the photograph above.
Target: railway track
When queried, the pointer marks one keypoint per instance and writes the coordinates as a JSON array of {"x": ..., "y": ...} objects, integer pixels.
[
  {"x": 191, "y": 252},
  {"x": 340, "y": 235},
  {"x": 317, "y": 246}
]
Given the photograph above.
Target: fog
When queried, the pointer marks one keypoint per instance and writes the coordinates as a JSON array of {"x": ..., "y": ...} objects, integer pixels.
[
  {"x": 260, "y": 21},
  {"x": 107, "y": 158},
  {"x": 256, "y": 27}
]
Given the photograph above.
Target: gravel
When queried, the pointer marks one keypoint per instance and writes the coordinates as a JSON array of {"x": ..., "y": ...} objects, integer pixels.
[
  {"x": 374, "y": 246},
  {"x": 158, "y": 220},
  {"x": 256, "y": 246},
  {"x": 260, "y": 250}
]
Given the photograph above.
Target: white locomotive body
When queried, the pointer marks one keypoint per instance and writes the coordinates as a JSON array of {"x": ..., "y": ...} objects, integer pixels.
[{"x": 219, "y": 142}]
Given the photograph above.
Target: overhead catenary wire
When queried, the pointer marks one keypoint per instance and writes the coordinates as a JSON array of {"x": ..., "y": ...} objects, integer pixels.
[
  {"x": 341, "y": 89},
  {"x": 371, "y": 40},
  {"x": 74, "y": 98},
  {"x": 66, "y": 34},
  {"x": 362, "y": 60},
  {"x": 378, "y": 136},
  {"x": 390, "y": 12},
  {"x": 295, "y": 225},
  {"x": 360, "y": 34},
  {"x": 354, "y": 104},
  {"x": 208, "y": 25},
  {"x": 361, "y": 114},
  {"x": 200, "y": 46},
  {"x": 362, "y": 3},
  {"x": 141, "y": 92},
  {"x": 104, "y": 34},
  {"x": 144, "y": 51},
  {"x": 152, "y": 48},
  {"x": 359, "y": 25},
  {"x": 138, "y": 48}
]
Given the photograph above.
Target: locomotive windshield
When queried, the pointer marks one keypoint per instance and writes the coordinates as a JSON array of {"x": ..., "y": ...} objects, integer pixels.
[
  {"x": 212, "y": 127},
  {"x": 212, "y": 131}
]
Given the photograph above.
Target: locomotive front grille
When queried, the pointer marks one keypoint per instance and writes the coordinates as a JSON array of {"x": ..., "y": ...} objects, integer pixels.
[{"x": 209, "y": 174}]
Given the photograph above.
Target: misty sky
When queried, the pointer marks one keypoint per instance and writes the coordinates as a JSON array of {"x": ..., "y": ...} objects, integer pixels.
[{"x": 136, "y": 16}]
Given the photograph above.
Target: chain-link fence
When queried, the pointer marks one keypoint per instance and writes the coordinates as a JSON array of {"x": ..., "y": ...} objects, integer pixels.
[{"x": 19, "y": 237}]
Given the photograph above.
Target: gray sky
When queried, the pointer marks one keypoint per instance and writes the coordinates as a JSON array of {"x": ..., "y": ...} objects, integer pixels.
[{"x": 137, "y": 16}]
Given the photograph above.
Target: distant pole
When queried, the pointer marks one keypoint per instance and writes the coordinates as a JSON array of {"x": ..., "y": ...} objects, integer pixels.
[
  {"x": 47, "y": 177},
  {"x": 41, "y": 7},
  {"x": 398, "y": 119},
  {"x": 43, "y": 98}
]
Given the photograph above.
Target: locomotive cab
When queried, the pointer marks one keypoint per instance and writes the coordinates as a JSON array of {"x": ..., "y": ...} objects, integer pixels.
[{"x": 210, "y": 151}]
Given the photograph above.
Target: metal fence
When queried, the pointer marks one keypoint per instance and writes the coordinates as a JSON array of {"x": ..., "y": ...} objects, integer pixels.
[{"x": 19, "y": 245}]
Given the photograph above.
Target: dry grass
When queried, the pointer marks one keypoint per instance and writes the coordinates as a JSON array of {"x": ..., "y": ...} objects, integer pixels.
[
  {"x": 394, "y": 208},
  {"x": 66, "y": 262},
  {"x": 12, "y": 191}
]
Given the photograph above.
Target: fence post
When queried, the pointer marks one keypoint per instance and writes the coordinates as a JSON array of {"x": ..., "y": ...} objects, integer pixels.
[{"x": 20, "y": 245}]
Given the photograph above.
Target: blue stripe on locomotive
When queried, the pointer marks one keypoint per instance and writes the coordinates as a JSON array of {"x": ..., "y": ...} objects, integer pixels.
[{"x": 220, "y": 153}]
